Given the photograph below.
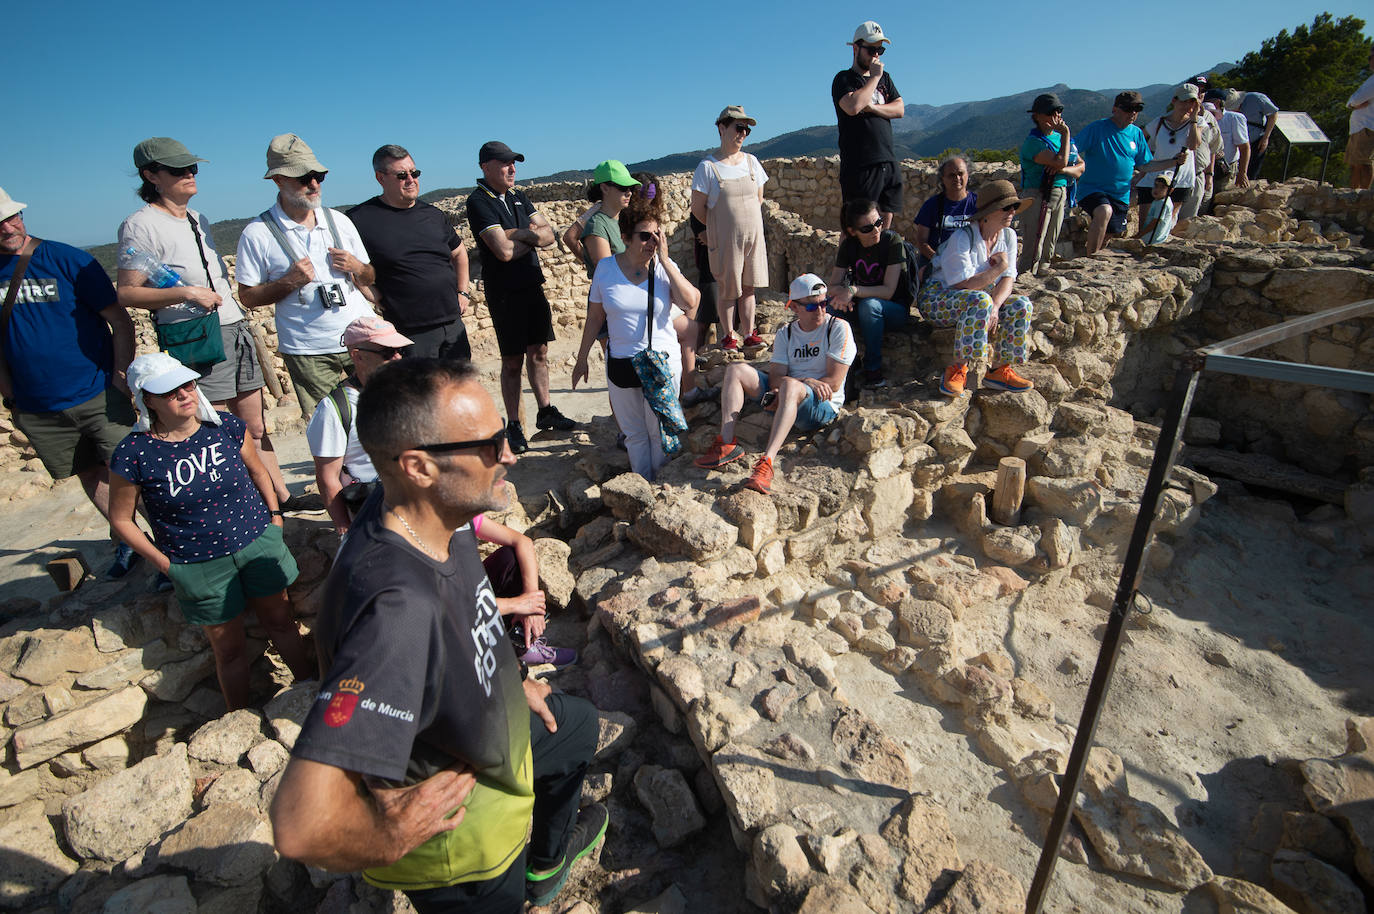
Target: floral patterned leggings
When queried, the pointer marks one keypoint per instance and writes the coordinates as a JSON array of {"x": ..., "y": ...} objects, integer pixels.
[{"x": 968, "y": 311}]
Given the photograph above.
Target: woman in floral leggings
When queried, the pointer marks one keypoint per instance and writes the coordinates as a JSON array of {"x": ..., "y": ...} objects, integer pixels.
[{"x": 970, "y": 290}]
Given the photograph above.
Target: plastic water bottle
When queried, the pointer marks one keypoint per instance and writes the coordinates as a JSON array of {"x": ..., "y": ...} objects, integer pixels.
[{"x": 160, "y": 276}]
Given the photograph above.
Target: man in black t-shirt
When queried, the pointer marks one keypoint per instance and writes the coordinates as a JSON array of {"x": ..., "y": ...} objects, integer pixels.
[
  {"x": 425, "y": 757},
  {"x": 422, "y": 266},
  {"x": 509, "y": 233},
  {"x": 866, "y": 101}
]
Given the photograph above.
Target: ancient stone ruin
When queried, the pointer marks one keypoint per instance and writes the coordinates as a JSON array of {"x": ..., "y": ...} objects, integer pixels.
[{"x": 855, "y": 695}]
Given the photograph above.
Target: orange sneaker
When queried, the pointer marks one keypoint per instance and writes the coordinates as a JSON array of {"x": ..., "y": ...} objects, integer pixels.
[
  {"x": 1005, "y": 379},
  {"x": 719, "y": 454},
  {"x": 952, "y": 385},
  {"x": 761, "y": 479}
]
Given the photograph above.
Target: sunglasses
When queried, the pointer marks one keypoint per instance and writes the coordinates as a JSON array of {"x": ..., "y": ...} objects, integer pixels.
[
  {"x": 181, "y": 172},
  {"x": 741, "y": 128},
  {"x": 496, "y": 442},
  {"x": 1011, "y": 207},
  {"x": 810, "y": 305},
  {"x": 646, "y": 237},
  {"x": 875, "y": 49},
  {"x": 385, "y": 352},
  {"x": 1134, "y": 108},
  {"x": 402, "y": 175},
  {"x": 865, "y": 229},
  {"x": 316, "y": 176}
]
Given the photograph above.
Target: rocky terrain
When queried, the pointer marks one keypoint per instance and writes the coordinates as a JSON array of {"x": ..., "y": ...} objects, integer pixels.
[{"x": 854, "y": 695}]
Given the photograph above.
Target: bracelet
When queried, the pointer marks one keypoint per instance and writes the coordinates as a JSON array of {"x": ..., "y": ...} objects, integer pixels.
[{"x": 276, "y": 513}]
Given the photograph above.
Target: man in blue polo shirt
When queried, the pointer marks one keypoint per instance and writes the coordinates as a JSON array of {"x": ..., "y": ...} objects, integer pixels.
[
  {"x": 64, "y": 345},
  {"x": 1112, "y": 149}
]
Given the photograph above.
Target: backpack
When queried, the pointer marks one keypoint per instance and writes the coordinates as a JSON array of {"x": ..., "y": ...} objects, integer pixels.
[
  {"x": 909, "y": 286},
  {"x": 342, "y": 406}
]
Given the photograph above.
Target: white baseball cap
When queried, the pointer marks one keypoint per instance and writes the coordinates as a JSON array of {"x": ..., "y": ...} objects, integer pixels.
[{"x": 805, "y": 286}]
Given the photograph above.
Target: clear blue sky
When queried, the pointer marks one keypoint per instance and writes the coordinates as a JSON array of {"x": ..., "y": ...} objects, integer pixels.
[{"x": 567, "y": 84}]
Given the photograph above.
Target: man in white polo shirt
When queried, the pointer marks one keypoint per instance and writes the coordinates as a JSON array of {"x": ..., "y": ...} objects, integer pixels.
[{"x": 310, "y": 262}]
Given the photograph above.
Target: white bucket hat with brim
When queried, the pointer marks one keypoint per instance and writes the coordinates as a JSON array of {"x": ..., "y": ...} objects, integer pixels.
[
  {"x": 8, "y": 207},
  {"x": 159, "y": 373}
]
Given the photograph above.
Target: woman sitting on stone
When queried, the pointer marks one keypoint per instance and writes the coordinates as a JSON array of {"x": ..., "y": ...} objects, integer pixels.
[
  {"x": 619, "y": 297},
  {"x": 867, "y": 279},
  {"x": 970, "y": 290},
  {"x": 214, "y": 512}
]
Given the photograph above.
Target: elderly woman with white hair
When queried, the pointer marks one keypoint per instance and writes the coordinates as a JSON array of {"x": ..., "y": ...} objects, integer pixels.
[{"x": 214, "y": 514}]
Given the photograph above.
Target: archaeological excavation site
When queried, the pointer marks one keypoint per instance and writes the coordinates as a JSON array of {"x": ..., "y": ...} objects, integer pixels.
[{"x": 862, "y": 692}]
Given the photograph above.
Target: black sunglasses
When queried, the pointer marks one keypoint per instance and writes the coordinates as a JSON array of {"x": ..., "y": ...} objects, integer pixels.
[
  {"x": 385, "y": 352},
  {"x": 646, "y": 237},
  {"x": 496, "y": 442},
  {"x": 1011, "y": 207},
  {"x": 191, "y": 169},
  {"x": 875, "y": 49},
  {"x": 865, "y": 229},
  {"x": 316, "y": 176},
  {"x": 402, "y": 175}
]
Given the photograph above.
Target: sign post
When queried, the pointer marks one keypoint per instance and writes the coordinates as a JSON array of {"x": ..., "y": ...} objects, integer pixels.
[{"x": 1298, "y": 129}]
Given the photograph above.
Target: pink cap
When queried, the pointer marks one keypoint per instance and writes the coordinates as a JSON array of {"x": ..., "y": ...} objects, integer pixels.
[{"x": 372, "y": 329}]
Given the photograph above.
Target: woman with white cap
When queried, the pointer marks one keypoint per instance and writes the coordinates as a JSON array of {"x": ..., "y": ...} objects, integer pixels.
[
  {"x": 173, "y": 234},
  {"x": 727, "y": 195},
  {"x": 970, "y": 290},
  {"x": 214, "y": 513}
]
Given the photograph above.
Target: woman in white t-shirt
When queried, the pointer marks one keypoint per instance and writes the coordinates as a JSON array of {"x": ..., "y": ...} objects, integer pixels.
[
  {"x": 175, "y": 235},
  {"x": 620, "y": 297},
  {"x": 1173, "y": 139},
  {"x": 727, "y": 195},
  {"x": 970, "y": 289}
]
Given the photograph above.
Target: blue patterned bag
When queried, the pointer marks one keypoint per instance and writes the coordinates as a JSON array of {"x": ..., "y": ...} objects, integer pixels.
[{"x": 656, "y": 378}]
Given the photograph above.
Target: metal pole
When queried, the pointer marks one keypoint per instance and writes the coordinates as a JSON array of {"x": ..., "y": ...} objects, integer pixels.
[
  {"x": 1288, "y": 153},
  {"x": 1326, "y": 154},
  {"x": 1165, "y": 451}
]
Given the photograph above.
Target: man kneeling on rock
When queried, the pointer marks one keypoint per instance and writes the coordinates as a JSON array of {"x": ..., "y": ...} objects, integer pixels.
[
  {"x": 804, "y": 384},
  {"x": 425, "y": 756}
]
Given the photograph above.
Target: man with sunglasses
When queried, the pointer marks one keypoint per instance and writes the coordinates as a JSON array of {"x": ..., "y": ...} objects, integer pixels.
[
  {"x": 421, "y": 264},
  {"x": 1112, "y": 149},
  {"x": 309, "y": 262},
  {"x": 428, "y": 752},
  {"x": 866, "y": 102}
]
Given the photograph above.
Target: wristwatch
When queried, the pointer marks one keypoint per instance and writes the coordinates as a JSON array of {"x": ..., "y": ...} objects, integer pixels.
[
  {"x": 463, "y": 292},
  {"x": 277, "y": 513}
]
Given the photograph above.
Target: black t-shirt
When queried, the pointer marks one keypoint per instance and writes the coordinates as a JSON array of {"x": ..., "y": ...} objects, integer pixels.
[
  {"x": 865, "y": 139},
  {"x": 485, "y": 209},
  {"x": 411, "y": 249},
  {"x": 868, "y": 266}
]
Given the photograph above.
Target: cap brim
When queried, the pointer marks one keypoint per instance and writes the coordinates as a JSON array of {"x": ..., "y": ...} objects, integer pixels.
[
  {"x": 394, "y": 339},
  {"x": 169, "y": 380},
  {"x": 178, "y": 161},
  {"x": 8, "y": 210},
  {"x": 296, "y": 171}
]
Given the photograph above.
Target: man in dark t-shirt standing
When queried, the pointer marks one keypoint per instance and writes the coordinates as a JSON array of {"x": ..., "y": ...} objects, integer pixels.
[
  {"x": 422, "y": 266},
  {"x": 866, "y": 101}
]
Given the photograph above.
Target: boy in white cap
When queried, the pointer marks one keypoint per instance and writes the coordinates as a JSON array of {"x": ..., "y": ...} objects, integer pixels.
[{"x": 804, "y": 384}]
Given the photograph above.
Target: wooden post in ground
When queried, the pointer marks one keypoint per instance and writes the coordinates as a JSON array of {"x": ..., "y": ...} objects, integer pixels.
[
  {"x": 68, "y": 570},
  {"x": 1010, "y": 489}
]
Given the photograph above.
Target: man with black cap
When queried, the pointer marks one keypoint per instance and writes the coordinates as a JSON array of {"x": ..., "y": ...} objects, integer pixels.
[
  {"x": 866, "y": 102},
  {"x": 509, "y": 233},
  {"x": 1049, "y": 162},
  {"x": 1112, "y": 148},
  {"x": 309, "y": 261}
]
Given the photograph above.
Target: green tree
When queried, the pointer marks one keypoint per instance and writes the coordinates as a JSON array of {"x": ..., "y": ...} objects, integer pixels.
[{"x": 1315, "y": 69}]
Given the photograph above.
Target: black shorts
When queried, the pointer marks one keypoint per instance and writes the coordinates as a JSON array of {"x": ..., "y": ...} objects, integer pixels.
[
  {"x": 521, "y": 318},
  {"x": 1116, "y": 225},
  {"x": 1144, "y": 196},
  {"x": 881, "y": 183}
]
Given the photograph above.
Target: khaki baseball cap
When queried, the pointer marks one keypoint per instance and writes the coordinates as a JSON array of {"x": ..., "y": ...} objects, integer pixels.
[
  {"x": 163, "y": 150},
  {"x": 288, "y": 155},
  {"x": 870, "y": 32},
  {"x": 8, "y": 207},
  {"x": 735, "y": 113}
]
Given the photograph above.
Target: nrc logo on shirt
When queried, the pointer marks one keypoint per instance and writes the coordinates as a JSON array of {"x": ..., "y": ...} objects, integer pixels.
[
  {"x": 806, "y": 351},
  {"x": 33, "y": 290}
]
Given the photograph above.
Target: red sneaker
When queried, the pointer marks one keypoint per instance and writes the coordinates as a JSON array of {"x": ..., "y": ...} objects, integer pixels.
[
  {"x": 761, "y": 479},
  {"x": 752, "y": 340},
  {"x": 952, "y": 385},
  {"x": 730, "y": 343},
  {"x": 719, "y": 454}
]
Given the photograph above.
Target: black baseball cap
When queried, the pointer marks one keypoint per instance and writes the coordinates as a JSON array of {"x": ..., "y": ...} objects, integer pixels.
[{"x": 495, "y": 149}]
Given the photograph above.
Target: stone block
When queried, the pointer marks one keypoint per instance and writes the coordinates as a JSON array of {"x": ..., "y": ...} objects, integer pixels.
[
  {"x": 127, "y": 811},
  {"x": 112, "y": 712}
]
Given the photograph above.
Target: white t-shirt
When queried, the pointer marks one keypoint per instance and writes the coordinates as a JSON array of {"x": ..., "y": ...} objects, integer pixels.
[
  {"x": 711, "y": 171},
  {"x": 965, "y": 253},
  {"x": 1362, "y": 118},
  {"x": 1234, "y": 135},
  {"x": 1166, "y": 146},
  {"x": 627, "y": 307},
  {"x": 325, "y": 435},
  {"x": 170, "y": 240},
  {"x": 304, "y": 325},
  {"x": 806, "y": 355}
]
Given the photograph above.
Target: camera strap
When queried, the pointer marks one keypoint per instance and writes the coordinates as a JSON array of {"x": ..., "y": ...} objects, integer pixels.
[{"x": 270, "y": 220}]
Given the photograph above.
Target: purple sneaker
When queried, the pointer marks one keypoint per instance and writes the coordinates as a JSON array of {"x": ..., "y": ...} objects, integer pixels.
[{"x": 542, "y": 652}]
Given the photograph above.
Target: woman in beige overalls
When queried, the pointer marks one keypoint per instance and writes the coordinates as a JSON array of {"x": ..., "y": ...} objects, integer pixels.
[{"x": 727, "y": 195}]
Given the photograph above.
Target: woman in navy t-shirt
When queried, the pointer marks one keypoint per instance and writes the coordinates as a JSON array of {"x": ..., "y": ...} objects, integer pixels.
[{"x": 213, "y": 510}]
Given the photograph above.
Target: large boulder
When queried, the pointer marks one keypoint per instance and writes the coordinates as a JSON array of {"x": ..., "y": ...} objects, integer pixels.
[
  {"x": 679, "y": 525},
  {"x": 111, "y": 713},
  {"x": 126, "y": 812}
]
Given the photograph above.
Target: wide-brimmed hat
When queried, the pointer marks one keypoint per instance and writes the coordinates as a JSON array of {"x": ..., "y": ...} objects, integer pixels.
[
  {"x": 372, "y": 329},
  {"x": 495, "y": 149},
  {"x": 805, "y": 286},
  {"x": 8, "y": 207},
  {"x": 614, "y": 171},
  {"x": 1128, "y": 99},
  {"x": 1046, "y": 103},
  {"x": 289, "y": 156},
  {"x": 870, "y": 32},
  {"x": 159, "y": 373},
  {"x": 1186, "y": 91},
  {"x": 735, "y": 113},
  {"x": 163, "y": 150},
  {"x": 994, "y": 195}
]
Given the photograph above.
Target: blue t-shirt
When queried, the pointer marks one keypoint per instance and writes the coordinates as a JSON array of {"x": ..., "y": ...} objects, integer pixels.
[
  {"x": 1111, "y": 154},
  {"x": 955, "y": 215},
  {"x": 59, "y": 349},
  {"x": 200, "y": 499},
  {"x": 1032, "y": 172}
]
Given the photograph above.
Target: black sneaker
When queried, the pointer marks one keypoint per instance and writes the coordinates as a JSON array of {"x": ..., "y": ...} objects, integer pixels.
[
  {"x": 124, "y": 559},
  {"x": 582, "y": 840},
  {"x": 549, "y": 418},
  {"x": 515, "y": 437},
  {"x": 874, "y": 380}
]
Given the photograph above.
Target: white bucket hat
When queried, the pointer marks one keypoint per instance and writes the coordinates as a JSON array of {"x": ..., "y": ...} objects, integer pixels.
[
  {"x": 159, "y": 373},
  {"x": 8, "y": 207}
]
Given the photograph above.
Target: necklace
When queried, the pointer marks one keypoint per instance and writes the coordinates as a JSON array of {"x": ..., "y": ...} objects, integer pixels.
[{"x": 411, "y": 530}]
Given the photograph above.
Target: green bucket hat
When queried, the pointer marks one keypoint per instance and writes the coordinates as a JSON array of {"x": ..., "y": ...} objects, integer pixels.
[
  {"x": 163, "y": 150},
  {"x": 615, "y": 172}
]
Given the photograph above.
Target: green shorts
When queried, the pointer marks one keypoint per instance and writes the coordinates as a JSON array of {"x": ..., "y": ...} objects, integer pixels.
[
  {"x": 314, "y": 376},
  {"x": 215, "y": 591},
  {"x": 81, "y": 437}
]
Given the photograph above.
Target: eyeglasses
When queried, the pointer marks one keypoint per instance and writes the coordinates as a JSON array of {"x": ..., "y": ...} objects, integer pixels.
[
  {"x": 740, "y": 128},
  {"x": 1135, "y": 109},
  {"x": 646, "y": 237},
  {"x": 316, "y": 176},
  {"x": 402, "y": 175},
  {"x": 1011, "y": 207},
  {"x": 875, "y": 49},
  {"x": 496, "y": 442},
  {"x": 865, "y": 229},
  {"x": 386, "y": 352},
  {"x": 181, "y": 172},
  {"x": 189, "y": 387}
]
